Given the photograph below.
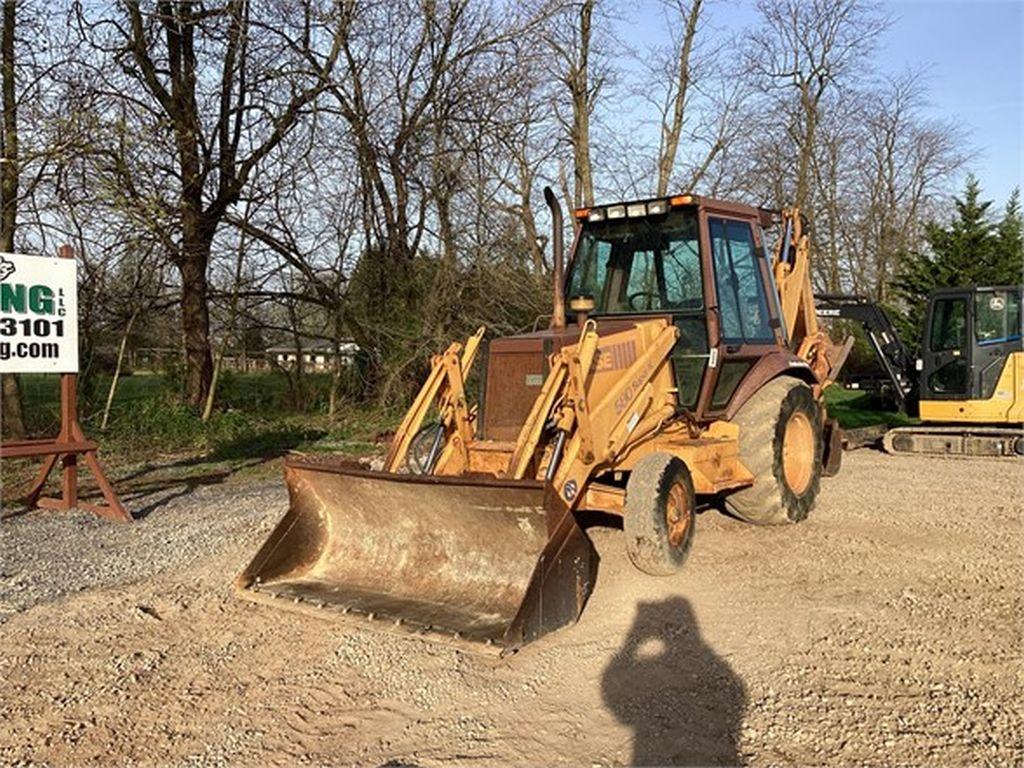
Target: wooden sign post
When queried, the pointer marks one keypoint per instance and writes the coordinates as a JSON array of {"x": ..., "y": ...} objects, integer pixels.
[{"x": 69, "y": 444}]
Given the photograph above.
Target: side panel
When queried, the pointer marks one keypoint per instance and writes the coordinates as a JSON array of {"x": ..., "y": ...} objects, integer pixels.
[
  {"x": 1006, "y": 406},
  {"x": 780, "y": 363}
]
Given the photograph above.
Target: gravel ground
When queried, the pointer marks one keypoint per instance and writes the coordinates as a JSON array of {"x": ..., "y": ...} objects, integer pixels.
[
  {"x": 886, "y": 629},
  {"x": 45, "y": 556}
]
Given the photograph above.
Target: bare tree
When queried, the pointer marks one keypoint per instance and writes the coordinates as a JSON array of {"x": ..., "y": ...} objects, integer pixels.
[
  {"x": 572, "y": 45},
  {"x": 677, "y": 93},
  {"x": 879, "y": 169},
  {"x": 141, "y": 273},
  {"x": 909, "y": 164},
  {"x": 804, "y": 48},
  {"x": 212, "y": 76}
]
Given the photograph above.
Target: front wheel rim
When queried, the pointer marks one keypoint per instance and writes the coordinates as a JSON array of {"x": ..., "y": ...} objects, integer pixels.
[
  {"x": 678, "y": 515},
  {"x": 798, "y": 452}
]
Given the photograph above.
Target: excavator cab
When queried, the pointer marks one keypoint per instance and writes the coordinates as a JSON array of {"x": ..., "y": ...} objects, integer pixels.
[{"x": 972, "y": 356}]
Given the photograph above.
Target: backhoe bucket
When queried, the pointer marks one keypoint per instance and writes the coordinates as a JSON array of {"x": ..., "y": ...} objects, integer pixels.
[{"x": 474, "y": 557}]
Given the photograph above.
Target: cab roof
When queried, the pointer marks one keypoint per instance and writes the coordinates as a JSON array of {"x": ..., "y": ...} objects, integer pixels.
[{"x": 765, "y": 216}]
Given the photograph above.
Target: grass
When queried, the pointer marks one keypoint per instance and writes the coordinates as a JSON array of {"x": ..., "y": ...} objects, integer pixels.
[
  {"x": 255, "y": 424},
  {"x": 148, "y": 407},
  {"x": 853, "y": 408}
]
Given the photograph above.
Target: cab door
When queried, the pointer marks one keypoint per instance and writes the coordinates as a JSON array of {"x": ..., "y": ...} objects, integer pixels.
[
  {"x": 741, "y": 309},
  {"x": 997, "y": 335},
  {"x": 946, "y": 352}
]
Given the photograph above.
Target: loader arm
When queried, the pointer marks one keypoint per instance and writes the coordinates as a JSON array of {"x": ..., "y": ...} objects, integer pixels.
[
  {"x": 445, "y": 386},
  {"x": 630, "y": 410},
  {"x": 533, "y": 428},
  {"x": 592, "y": 432}
]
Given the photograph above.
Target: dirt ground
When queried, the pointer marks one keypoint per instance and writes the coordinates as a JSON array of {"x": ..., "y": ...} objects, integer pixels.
[{"x": 886, "y": 629}]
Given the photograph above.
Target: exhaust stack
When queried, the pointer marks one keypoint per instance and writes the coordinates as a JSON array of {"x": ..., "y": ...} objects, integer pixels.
[{"x": 558, "y": 306}]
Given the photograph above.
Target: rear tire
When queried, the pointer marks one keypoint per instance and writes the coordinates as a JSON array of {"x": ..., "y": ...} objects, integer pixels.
[
  {"x": 660, "y": 515},
  {"x": 781, "y": 444}
]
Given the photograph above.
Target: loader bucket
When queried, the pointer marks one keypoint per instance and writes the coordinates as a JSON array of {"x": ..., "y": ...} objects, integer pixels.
[{"x": 473, "y": 557}]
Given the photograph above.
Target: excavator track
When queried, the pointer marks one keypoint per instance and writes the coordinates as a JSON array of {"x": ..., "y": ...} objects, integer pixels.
[{"x": 955, "y": 441}]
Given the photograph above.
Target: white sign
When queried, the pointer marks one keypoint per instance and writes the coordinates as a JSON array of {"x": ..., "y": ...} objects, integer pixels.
[{"x": 38, "y": 314}]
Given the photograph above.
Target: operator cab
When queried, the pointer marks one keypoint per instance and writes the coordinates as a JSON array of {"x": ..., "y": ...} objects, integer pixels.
[
  {"x": 639, "y": 265},
  {"x": 702, "y": 262},
  {"x": 970, "y": 334}
]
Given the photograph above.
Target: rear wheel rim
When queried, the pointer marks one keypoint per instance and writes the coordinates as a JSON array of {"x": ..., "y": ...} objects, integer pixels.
[
  {"x": 798, "y": 452},
  {"x": 678, "y": 514}
]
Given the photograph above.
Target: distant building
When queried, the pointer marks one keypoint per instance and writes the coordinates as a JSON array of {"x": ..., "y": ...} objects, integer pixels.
[
  {"x": 244, "y": 362},
  {"x": 317, "y": 356},
  {"x": 157, "y": 359}
]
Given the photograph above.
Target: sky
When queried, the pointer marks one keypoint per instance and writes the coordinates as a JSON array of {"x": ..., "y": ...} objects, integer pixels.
[{"x": 970, "y": 51}]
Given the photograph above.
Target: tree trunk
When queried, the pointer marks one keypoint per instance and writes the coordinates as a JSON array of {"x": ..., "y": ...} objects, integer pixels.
[
  {"x": 9, "y": 167},
  {"x": 807, "y": 148},
  {"x": 336, "y": 369},
  {"x": 533, "y": 239},
  {"x": 671, "y": 130},
  {"x": 13, "y": 409},
  {"x": 229, "y": 331},
  {"x": 13, "y": 414},
  {"x": 195, "y": 321},
  {"x": 579, "y": 84},
  {"x": 117, "y": 371}
]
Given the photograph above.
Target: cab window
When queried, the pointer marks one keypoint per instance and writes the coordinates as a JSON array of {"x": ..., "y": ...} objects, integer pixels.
[
  {"x": 738, "y": 280},
  {"x": 997, "y": 316},
  {"x": 640, "y": 265},
  {"x": 949, "y": 325}
]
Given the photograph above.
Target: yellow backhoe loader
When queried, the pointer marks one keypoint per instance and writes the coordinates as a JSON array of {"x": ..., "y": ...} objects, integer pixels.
[{"x": 694, "y": 367}]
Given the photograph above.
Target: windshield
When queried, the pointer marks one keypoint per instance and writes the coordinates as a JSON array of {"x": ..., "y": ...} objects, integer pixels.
[
  {"x": 997, "y": 316},
  {"x": 639, "y": 265}
]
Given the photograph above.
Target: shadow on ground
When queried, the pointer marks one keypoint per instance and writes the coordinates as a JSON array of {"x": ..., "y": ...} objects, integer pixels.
[
  {"x": 684, "y": 703},
  {"x": 175, "y": 488},
  {"x": 155, "y": 484}
]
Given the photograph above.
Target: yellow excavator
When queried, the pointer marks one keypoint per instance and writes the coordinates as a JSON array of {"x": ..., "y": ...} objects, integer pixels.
[
  {"x": 693, "y": 366},
  {"x": 967, "y": 384}
]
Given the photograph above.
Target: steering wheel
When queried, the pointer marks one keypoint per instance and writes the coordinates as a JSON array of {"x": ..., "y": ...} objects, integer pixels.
[{"x": 640, "y": 294}]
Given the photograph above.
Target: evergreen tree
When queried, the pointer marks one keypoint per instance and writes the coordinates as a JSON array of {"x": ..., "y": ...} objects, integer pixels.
[
  {"x": 971, "y": 250},
  {"x": 1010, "y": 243}
]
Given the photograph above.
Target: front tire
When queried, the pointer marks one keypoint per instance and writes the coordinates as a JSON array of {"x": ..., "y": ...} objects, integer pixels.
[
  {"x": 660, "y": 514},
  {"x": 781, "y": 444}
]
